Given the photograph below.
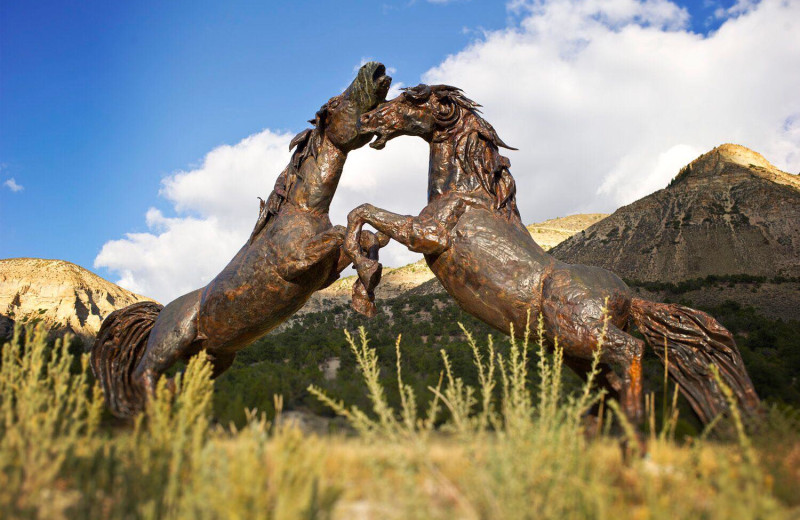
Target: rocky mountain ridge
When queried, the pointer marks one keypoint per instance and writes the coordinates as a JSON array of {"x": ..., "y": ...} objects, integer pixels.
[
  {"x": 63, "y": 296},
  {"x": 728, "y": 212}
]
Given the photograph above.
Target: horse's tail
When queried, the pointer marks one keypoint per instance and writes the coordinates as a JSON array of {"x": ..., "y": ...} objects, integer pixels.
[
  {"x": 688, "y": 341},
  {"x": 120, "y": 345}
]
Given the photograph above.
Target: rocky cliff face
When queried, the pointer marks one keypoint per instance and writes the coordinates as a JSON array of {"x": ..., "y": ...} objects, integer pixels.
[
  {"x": 728, "y": 212},
  {"x": 61, "y": 295}
]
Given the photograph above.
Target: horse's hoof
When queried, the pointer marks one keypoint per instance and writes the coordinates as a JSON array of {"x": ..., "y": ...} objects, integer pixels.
[
  {"x": 369, "y": 272},
  {"x": 365, "y": 307},
  {"x": 363, "y": 301}
]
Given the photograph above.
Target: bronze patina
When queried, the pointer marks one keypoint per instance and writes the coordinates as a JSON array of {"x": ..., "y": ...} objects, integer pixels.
[
  {"x": 292, "y": 252},
  {"x": 475, "y": 243}
]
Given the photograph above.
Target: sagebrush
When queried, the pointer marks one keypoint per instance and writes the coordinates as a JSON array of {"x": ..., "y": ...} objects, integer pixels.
[{"x": 501, "y": 449}]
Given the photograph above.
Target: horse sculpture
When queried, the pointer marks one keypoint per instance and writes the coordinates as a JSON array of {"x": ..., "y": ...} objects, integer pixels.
[
  {"x": 292, "y": 252},
  {"x": 475, "y": 243}
]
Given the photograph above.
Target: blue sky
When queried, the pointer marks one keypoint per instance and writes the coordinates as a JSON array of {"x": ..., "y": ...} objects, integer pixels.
[{"x": 100, "y": 102}]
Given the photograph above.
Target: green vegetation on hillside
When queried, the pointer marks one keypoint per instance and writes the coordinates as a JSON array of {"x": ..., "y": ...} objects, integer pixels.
[
  {"x": 287, "y": 361},
  {"x": 711, "y": 280}
]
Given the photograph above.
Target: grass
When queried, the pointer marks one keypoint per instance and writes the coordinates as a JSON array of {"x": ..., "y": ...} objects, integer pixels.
[{"x": 501, "y": 449}]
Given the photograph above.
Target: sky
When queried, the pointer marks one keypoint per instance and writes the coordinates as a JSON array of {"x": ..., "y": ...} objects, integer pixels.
[{"x": 136, "y": 136}]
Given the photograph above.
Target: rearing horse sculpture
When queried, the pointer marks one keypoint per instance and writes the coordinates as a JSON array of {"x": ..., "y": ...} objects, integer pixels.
[
  {"x": 292, "y": 252},
  {"x": 477, "y": 246}
]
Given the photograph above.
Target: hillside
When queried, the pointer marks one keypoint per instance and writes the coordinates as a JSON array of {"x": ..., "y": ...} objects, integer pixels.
[
  {"x": 728, "y": 212},
  {"x": 394, "y": 282},
  {"x": 550, "y": 233},
  {"x": 63, "y": 296}
]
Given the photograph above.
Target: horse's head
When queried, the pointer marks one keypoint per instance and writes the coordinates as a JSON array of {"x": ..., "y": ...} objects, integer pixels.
[
  {"x": 338, "y": 118},
  {"x": 421, "y": 111},
  {"x": 443, "y": 114}
]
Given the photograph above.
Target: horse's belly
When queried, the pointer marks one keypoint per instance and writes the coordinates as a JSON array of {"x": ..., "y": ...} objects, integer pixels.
[{"x": 492, "y": 271}]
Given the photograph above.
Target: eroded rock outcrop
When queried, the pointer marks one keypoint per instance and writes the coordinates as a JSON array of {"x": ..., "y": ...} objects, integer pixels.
[
  {"x": 61, "y": 295},
  {"x": 550, "y": 233}
]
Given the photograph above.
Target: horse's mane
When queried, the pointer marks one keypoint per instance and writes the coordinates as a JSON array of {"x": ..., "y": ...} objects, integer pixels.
[
  {"x": 477, "y": 143},
  {"x": 307, "y": 145}
]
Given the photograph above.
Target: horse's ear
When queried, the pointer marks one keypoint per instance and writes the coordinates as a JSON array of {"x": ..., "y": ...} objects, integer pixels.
[
  {"x": 488, "y": 132},
  {"x": 420, "y": 93},
  {"x": 321, "y": 117}
]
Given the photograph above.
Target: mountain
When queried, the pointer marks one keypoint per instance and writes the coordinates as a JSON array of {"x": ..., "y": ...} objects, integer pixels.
[
  {"x": 63, "y": 296},
  {"x": 417, "y": 279},
  {"x": 729, "y": 212}
]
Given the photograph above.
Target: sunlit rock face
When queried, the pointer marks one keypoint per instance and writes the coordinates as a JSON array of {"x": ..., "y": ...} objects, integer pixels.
[
  {"x": 727, "y": 212},
  {"x": 552, "y": 232},
  {"x": 61, "y": 295}
]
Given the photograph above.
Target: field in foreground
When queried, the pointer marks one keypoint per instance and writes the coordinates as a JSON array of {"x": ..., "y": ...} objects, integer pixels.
[{"x": 501, "y": 449}]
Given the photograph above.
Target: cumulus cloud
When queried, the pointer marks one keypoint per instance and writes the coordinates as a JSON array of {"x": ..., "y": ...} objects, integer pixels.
[
  {"x": 12, "y": 185},
  {"x": 216, "y": 207},
  {"x": 605, "y": 99}
]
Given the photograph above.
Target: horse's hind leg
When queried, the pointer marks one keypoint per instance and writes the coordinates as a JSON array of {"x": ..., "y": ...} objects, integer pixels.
[
  {"x": 606, "y": 378},
  {"x": 625, "y": 351},
  {"x": 174, "y": 337}
]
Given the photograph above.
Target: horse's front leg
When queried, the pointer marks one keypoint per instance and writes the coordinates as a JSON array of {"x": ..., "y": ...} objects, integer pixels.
[
  {"x": 307, "y": 254},
  {"x": 369, "y": 242},
  {"x": 326, "y": 244},
  {"x": 422, "y": 234}
]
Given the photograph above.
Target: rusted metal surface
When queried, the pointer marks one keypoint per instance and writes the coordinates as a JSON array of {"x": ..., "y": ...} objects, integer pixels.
[
  {"x": 292, "y": 252},
  {"x": 475, "y": 243}
]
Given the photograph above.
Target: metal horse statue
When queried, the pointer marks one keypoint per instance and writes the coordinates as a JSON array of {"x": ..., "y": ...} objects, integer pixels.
[
  {"x": 292, "y": 252},
  {"x": 477, "y": 246}
]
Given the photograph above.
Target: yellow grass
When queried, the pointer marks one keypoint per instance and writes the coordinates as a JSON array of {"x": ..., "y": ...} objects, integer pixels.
[{"x": 503, "y": 450}]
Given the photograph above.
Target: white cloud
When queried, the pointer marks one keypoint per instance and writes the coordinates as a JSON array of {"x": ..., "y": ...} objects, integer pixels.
[
  {"x": 12, "y": 185},
  {"x": 606, "y": 100},
  {"x": 216, "y": 206}
]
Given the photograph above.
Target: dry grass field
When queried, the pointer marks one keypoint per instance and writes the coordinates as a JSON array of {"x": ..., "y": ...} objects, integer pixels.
[{"x": 501, "y": 450}]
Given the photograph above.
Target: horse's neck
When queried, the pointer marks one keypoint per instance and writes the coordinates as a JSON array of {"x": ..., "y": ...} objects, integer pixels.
[
  {"x": 445, "y": 172},
  {"x": 318, "y": 178}
]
